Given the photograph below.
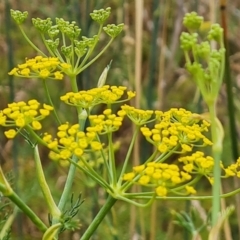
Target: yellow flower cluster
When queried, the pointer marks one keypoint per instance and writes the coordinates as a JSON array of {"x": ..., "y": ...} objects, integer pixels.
[
  {"x": 106, "y": 122},
  {"x": 232, "y": 170},
  {"x": 70, "y": 142},
  {"x": 177, "y": 128},
  {"x": 92, "y": 97},
  {"x": 161, "y": 176},
  {"x": 41, "y": 67},
  {"x": 138, "y": 116},
  {"x": 21, "y": 114},
  {"x": 197, "y": 163}
]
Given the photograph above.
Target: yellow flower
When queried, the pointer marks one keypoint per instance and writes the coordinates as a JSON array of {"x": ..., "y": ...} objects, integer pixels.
[
  {"x": 10, "y": 133},
  {"x": 161, "y": 191},
  {"x": 138, "y": 116},
  {"x": 144, "y": 180},
  {"x": 128, "y": 176},
  {"x": 22, "y": 114},
  {"x": 190, "y": 190},
  {"x": 41, "y": 67},
  {"x": 139, "y": 168},
  {"x": 36, "y": 125}
]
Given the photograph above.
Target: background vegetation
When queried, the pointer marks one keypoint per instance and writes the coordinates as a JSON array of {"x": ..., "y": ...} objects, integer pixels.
[{"x": 146, "y": 57}]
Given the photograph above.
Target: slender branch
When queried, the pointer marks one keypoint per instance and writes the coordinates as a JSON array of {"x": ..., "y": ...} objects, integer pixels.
[
  {"x": 50, "y": 101},
  {"x": 98, "y": 219},
  {"x": 30, "y": 42}
]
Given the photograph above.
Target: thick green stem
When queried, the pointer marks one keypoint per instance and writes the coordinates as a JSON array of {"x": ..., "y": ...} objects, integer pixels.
[
  {"x": 8, "y": 192},
  {"x": 70, "y": 177},
  {"x": 34, "y": 218},
  {"x": 7, "y": 225},
  {"x": 98, "y": 219},
  {"x": 82, "y": 116},
  {"x": 44, "y": 186},
  {"x": 216, "y": 153}
]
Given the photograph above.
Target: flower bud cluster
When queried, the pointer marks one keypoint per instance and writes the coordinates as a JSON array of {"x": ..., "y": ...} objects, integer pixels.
[
  {"x": 18, "y": 16},
  {"x": 205, "y": 64},
  {"x": 101, "y": 15},
  {"x": 113, "y": 30},
  {"x": 62, "y": 40},
  {"x": 192, "y": 21}
]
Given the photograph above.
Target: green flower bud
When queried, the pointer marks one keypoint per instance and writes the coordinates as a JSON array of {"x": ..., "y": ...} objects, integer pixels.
[
  {"x": 53, "y": 31},
  {"x": 195, "y": 69},
  {"x": 113, "y": 30},
  {"x": 100, "y": 16},
  {"x": 66, "y": 51},
  {"x": 42, "y": 25},
  {"x": 206, "y": 77},
  {"x": 53, "y": 45},
  {"x": 215, "y": 33},
  {"x": 214, "y": 66},
  {"x": 18, "y": 17},
  {"x": 188, "y": 40},
  {"x": 215, "y": 55},
  {"x": 203, "y": 50},
  {"x": 81, "y": 47},
  {"x": 72, "y": 31},
  {"x": 90, "y": 42},
  {"x": 192, "y": 21},
  {"x": 62, "y": 24}
]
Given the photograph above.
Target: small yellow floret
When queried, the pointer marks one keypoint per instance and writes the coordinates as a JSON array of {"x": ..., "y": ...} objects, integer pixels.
[
  {"x": 10, "y": 133},
  {"x": 144, "y": 180},
  {"x": 190, "y": 190},
  {"x": 128, "y": 176},
  {"x": 161, "y": 191},
  {"x": 36, "y": 125}
]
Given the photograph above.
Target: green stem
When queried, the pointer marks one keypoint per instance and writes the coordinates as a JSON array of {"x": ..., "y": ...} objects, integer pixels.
[
  {"x": 24, "y": 208},
  {"x": 94, "y": 59},
  {"x": 35, "y": 136},
  {"x": 73, "y": 83},
  {"x": 30, "y": 42},
  {"x": 44, "y": 186},
  {"x": 82, "y": 116},
  {"x": 50, "y": 101},
  {"x": 91, "y": 49},
  {"x": 149, "y": 195},
  {"x": 216, "y": 153},
  {"x": 112, "y": 174},
  {"x": 128, "y": 155},
  {"x": 98, "y": 219},
  {"x": 70, "y": 178},
  {"x": 88, "y": 170},
  {"x": 7, "y": 225}
]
